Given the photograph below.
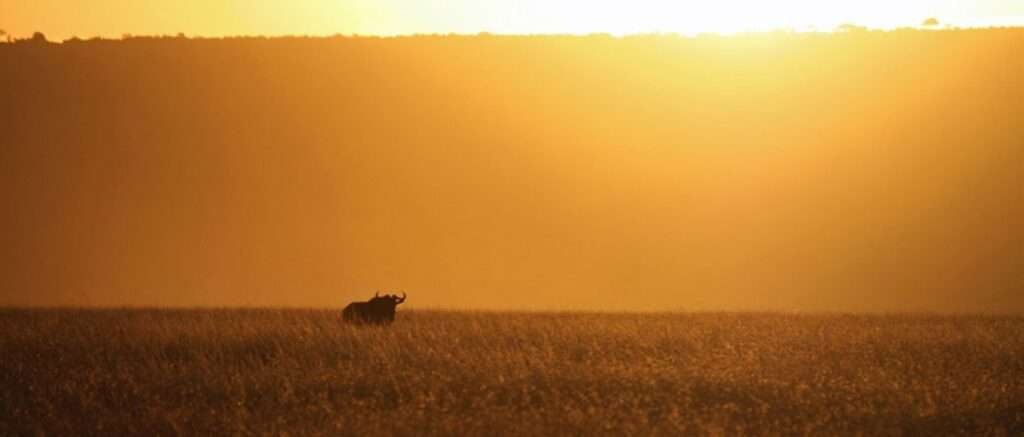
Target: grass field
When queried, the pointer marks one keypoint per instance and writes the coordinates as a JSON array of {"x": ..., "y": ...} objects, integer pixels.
[{"x": 301, "y": 372}]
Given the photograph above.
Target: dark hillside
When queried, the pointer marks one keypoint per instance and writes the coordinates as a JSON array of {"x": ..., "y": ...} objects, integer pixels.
[{"x": 861, "y": 171}]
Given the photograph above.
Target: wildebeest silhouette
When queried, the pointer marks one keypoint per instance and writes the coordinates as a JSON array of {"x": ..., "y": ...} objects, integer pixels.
[{"x": 377, "y": 311}]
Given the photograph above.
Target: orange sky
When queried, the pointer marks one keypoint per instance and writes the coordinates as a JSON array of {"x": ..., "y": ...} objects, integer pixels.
[{"x": 61, "y": 19}]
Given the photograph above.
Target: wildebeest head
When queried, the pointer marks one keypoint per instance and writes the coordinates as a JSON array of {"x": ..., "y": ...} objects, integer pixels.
[{"x": 378, "y": 311}]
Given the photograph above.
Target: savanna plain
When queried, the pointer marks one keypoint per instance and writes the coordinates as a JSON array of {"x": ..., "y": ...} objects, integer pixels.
[
  {"x": 852, "y": 196},
  {"x": 276, "y": 371}
]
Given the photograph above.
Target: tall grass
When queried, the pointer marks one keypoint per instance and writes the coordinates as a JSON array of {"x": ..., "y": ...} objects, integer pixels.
[{"x": 70, "y": 372}]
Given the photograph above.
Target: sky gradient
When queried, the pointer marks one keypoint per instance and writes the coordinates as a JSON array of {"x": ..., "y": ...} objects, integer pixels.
[{"x": 60, "y": 19}]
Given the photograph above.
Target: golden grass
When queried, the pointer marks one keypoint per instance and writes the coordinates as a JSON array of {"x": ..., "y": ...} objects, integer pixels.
[{"x": 215, "y": 372}]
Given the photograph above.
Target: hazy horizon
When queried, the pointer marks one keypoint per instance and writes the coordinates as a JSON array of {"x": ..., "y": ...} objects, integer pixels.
[
  {"x": 841, "y": 29},
  {"x": 109, "y": 18}
]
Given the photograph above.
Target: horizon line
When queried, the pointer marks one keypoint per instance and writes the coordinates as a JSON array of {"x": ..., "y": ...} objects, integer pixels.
[
  {"x": 512, "y": 310},
  {"x": 844, "y": 29}
]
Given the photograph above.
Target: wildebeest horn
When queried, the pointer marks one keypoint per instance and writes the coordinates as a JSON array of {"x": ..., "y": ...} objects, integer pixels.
[
  {"x": 400, "y": 299},
  {"x": 377, "y": 294}
]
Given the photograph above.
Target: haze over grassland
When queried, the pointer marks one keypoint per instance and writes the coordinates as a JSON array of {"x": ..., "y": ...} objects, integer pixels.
[{"x": 852, "y": 172}]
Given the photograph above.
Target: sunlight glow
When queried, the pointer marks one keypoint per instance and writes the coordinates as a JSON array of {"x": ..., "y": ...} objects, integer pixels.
[
  {"x": 113, "y": 18},
  {"x": 685, "y": 17}
]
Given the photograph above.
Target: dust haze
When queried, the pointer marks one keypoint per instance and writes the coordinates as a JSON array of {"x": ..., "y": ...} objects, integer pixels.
[{"x": 863, "y": 171}]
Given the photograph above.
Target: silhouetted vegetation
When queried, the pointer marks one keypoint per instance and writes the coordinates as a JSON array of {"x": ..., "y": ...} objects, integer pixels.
[
  {"x": 850, "y": 27},
  {"x": 261, "y": 372},
  {"x": 873, "y": 171}
]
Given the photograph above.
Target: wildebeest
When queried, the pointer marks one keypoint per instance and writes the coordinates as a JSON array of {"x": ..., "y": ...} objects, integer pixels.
[{"x": 377, "y": 311}]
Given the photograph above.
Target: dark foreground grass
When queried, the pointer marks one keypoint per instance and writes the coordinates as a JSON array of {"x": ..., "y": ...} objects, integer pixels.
[{"x": 68, "y": 372}]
